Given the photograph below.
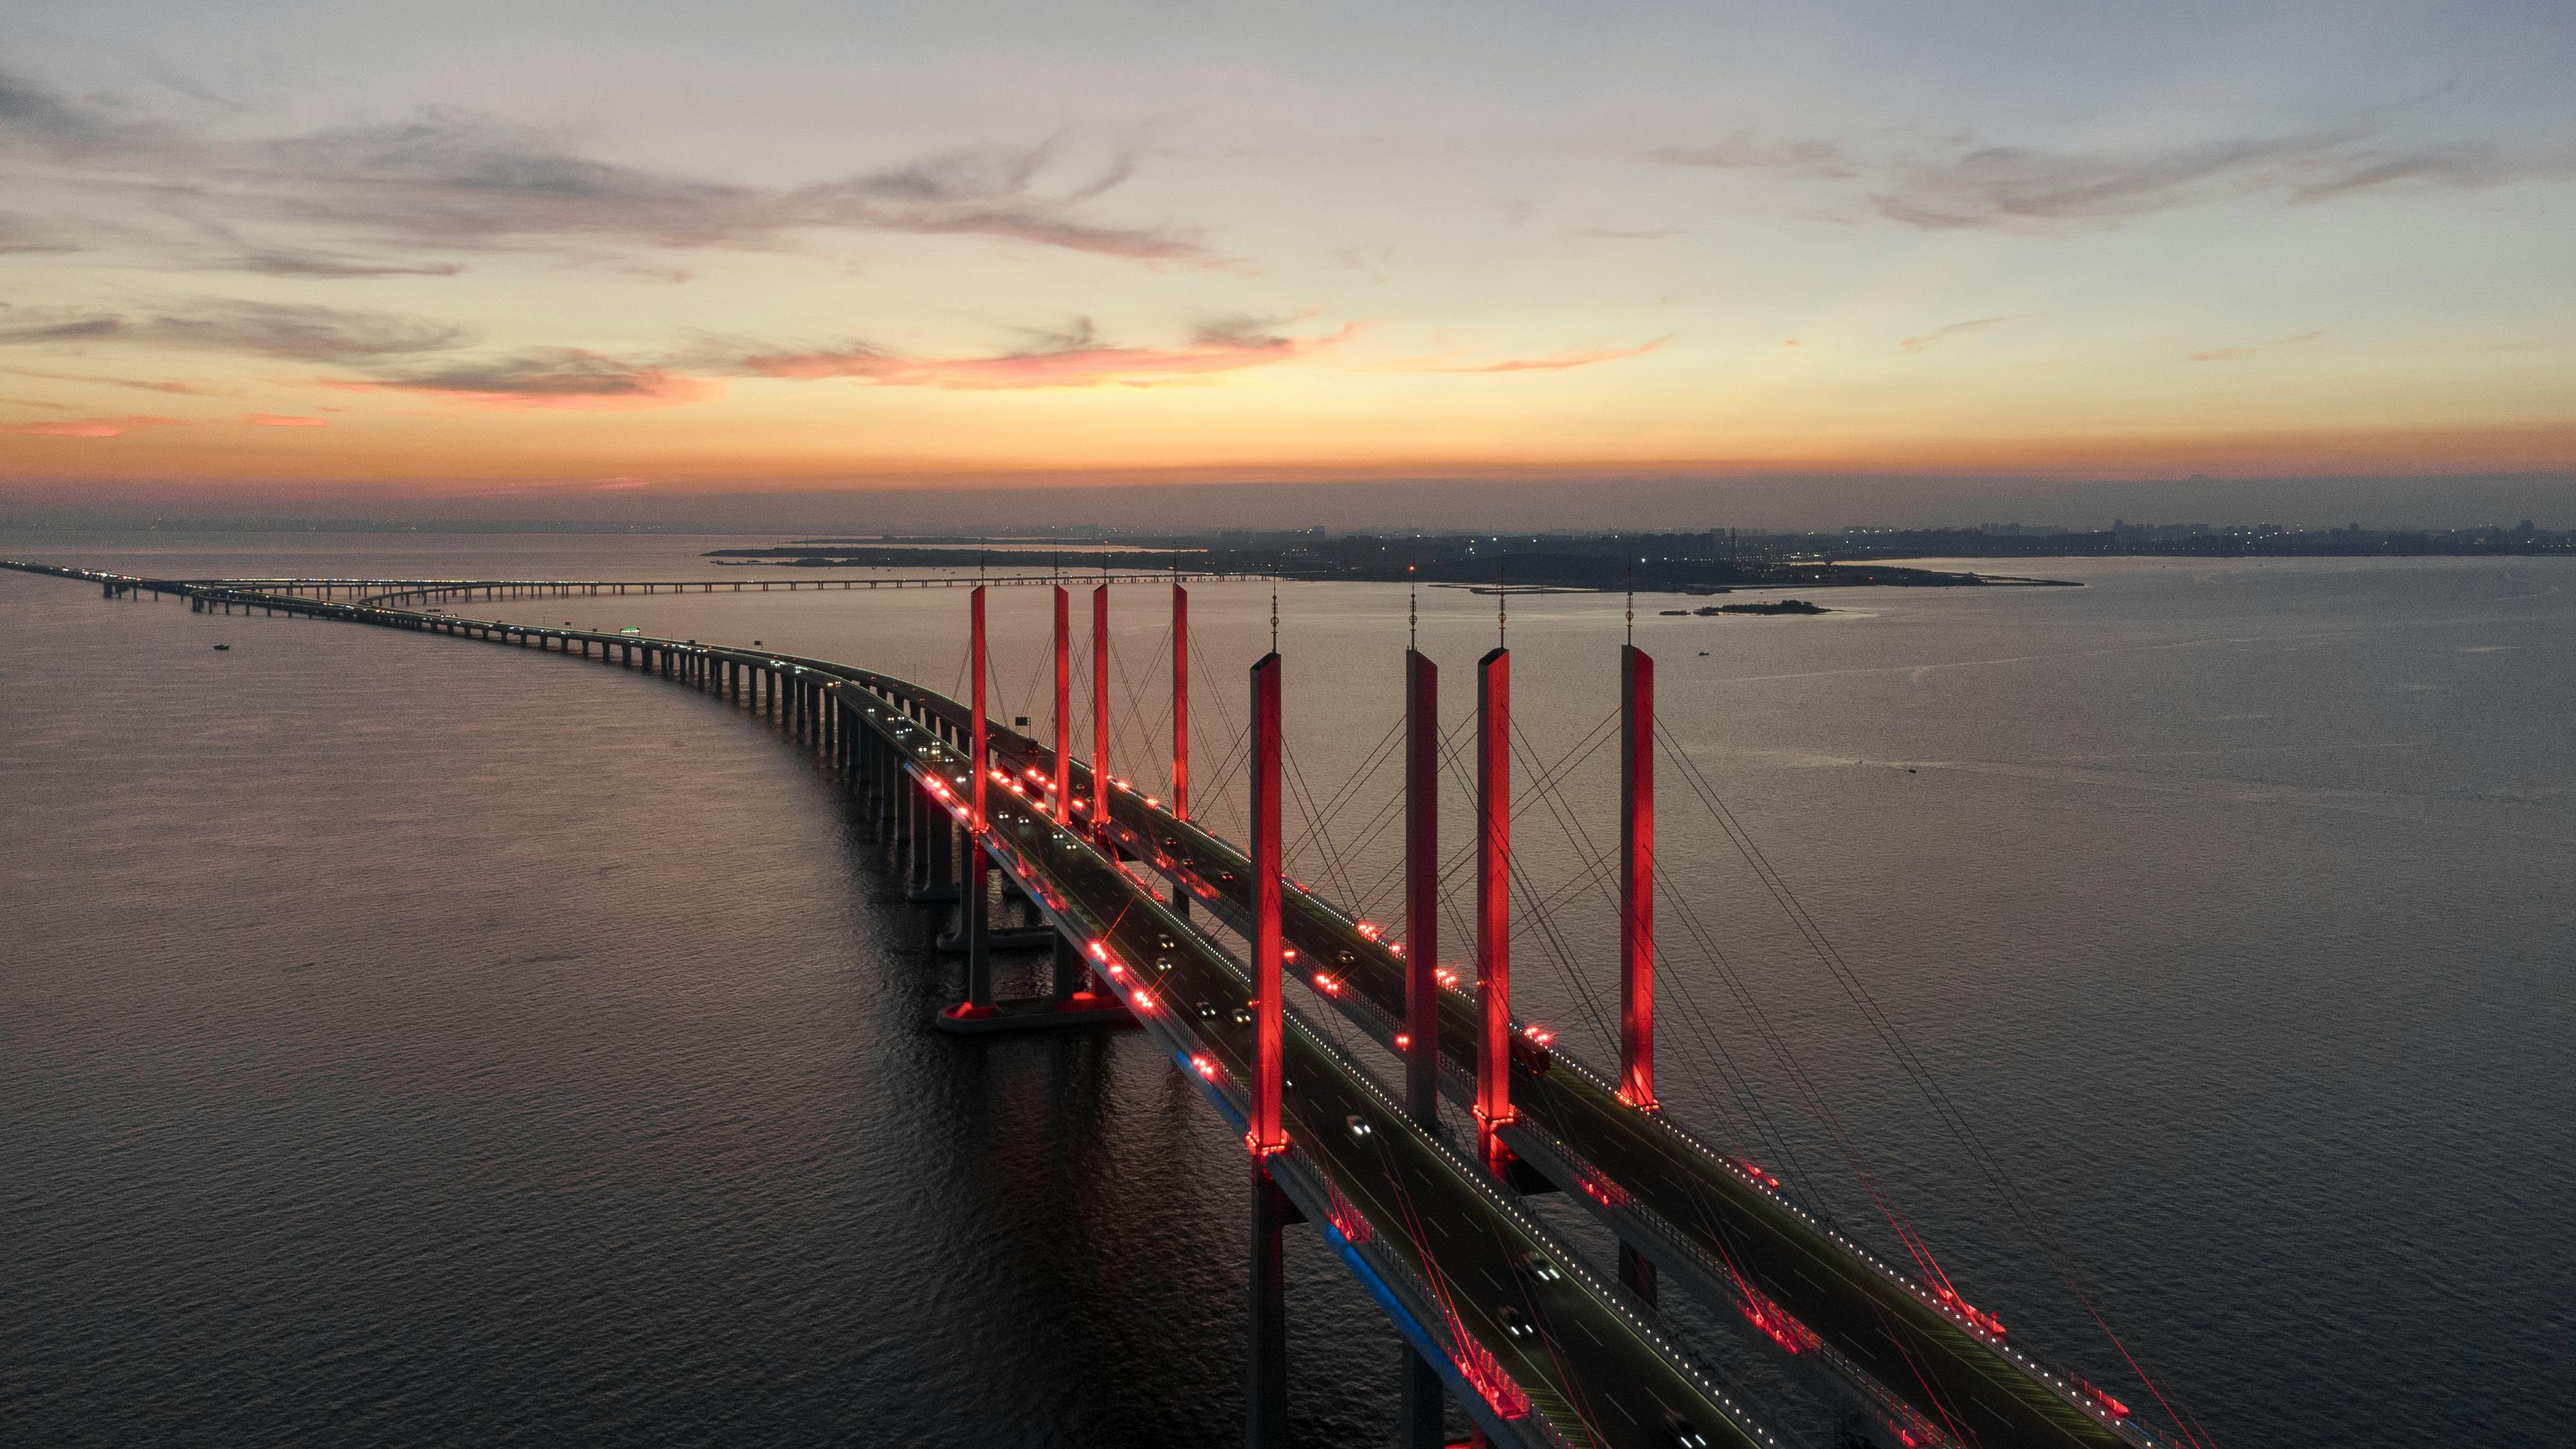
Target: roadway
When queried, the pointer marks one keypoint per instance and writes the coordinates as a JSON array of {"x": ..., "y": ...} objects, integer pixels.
[{"x": 1701, "y": 1216}]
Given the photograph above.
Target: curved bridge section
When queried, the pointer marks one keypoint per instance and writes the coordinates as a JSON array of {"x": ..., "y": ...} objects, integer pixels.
[{"x": 1538, "y": 1349}]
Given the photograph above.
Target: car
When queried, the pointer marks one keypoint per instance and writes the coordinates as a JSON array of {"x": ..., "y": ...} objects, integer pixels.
[
  {"x": 1539, "y": 1268},
  {"x": 1681, "y": 1433},
  {"x": 1359, "y": 1125},
  {"x": 1516, "y": 1324},
  {"x": 1162, "y": 963},
  {"x": 1207, "y": 1011},
  {"x": 1243, "y": 1016}
]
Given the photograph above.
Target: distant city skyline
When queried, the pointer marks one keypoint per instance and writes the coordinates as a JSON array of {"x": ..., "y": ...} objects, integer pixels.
[{"x": 565, "y": 260}]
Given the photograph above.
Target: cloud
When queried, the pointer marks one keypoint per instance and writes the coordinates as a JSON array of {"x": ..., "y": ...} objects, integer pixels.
[
  {"x": 1604, "y": 233},
  {"x": 2466, "y": 165},
  {"x": 94, "y": 427},
  {"x": 550, "y": 377},
  {"x": 1073, "y": 356},
  {"x": 25, "y": 236},
  {"x": 2238, "y": 354},
  {"x": 457, "y": 178},
  {"x": 279, "y": 420},
  {"x": 32, "y": 116},
  {"x": 1744, "y": 152},
  {"x": 1553, "y": 362},
  {"x": 1998, "y": 185},
  {"x": 2011, "y": 186},
  {"x": 1939, "y": 334},
  {"x": 2022, "y": 187},
  {"x": 262, "y": 329},
  {"x": 182, "y": 389},
  {"x": 287, "y": 263}
]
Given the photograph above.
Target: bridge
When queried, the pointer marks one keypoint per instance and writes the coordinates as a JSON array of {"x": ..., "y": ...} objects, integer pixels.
[
  {"x": 1498, "y": 1313},
  {"x": 421, "y": 591}
]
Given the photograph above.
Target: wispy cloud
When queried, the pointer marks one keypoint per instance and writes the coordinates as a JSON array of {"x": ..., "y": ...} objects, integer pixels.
[
  {"x": 284, "y": 420},
  {"x": 1074, "y": 356},
  {"x": 2001, "y": 185},
  {"x": 551, "y": 377},
  {"x": 1943, "y": 334},
  {"x": 2025, "y": 187},
  {"x": 2238, "y": 354},
  {"x": 180, "y": 389},
  {"x": 93, "y": 427},
  {"x": 1744, "y": 151},
  {"x": 1550, "y": 362},
  {"x": 279, "y": 262},
  {"x": 212, "y": 324},
  {"x": 24, "y": 236},
  {"x": 457, "y": 178}
]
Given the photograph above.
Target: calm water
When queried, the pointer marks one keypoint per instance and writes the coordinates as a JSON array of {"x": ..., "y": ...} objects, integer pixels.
[{"x": 408, "y": 1041}]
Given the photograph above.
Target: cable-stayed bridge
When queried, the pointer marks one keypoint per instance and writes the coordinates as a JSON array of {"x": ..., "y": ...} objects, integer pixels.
[{"x": 1159, "y": 922}]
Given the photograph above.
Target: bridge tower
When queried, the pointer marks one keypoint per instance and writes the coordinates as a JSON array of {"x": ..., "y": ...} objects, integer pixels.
[
  {"x": 1180, "y": 709},
  {"x": 1100, "y": 709},
  {"x": 1637, "y": 913},
  {"x": 1180, "y": 735},
  {"x": 1419, "y": 1414},
  {"x": 1637, "y": 878},
  {"x": 1422, "y": 888},
  {"x": 1063, "y": 704},
  {"x": 1494, "y": 902},
  {"x": 1267, "y": 1419},
  {"x": 975, "y": 910}
]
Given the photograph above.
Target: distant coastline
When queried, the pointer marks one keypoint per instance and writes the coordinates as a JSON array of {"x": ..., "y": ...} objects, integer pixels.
[{"x": 1693, "y": 564}]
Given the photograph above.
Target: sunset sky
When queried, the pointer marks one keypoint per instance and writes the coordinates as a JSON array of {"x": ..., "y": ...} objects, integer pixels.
[{"x": 651, "y": 246}]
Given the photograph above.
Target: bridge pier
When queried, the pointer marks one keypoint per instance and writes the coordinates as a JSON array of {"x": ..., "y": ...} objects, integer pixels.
[
  {"x": 939, "y": 880},
  {"x": 1267, "y": 1426}
]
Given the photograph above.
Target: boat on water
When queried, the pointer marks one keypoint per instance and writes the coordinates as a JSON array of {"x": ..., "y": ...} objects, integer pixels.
[{"x": 220, "y": 647}]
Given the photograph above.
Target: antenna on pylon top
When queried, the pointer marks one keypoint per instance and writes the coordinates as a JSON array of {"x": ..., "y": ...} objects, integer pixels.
[
  {"x": 1502, "y": 608},
  {"x": 1631, "y": 572},
  {"x": 979, "y": 563},
  {"x": 1274, "y": 615},
  {"x": 1412, "y": 608}
]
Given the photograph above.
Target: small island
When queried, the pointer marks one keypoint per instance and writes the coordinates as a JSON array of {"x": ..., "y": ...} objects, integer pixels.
[{"x": 1773, "y": 606}]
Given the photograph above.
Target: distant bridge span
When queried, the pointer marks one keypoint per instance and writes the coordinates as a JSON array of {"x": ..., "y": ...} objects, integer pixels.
[{"x": 421, "y": 591}]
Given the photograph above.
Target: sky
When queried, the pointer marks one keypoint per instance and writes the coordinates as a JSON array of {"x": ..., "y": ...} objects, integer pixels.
[{"x": 588, "y": 250}]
